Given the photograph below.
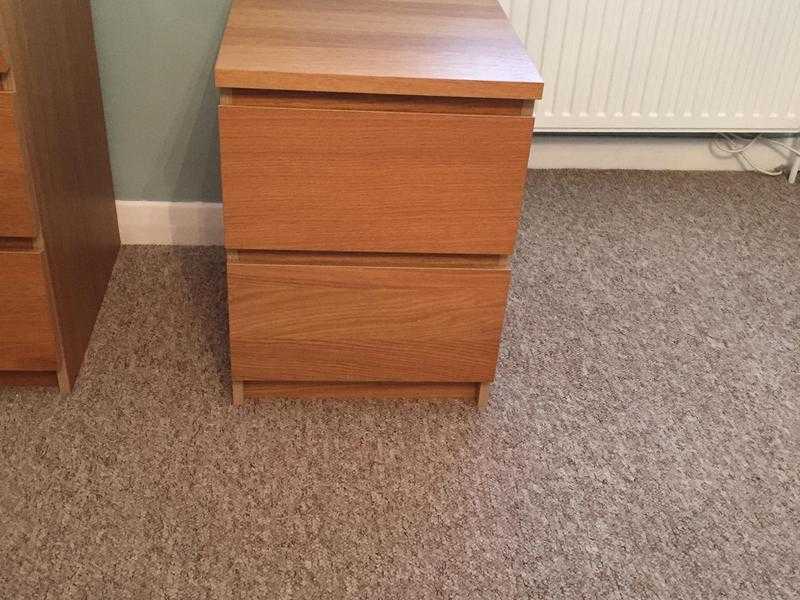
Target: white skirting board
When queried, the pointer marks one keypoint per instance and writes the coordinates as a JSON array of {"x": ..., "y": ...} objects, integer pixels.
[
  {"x": 170, "y": 223},
  {"x": 647, "y": 152},
  {"x": 200, "y": 223}
]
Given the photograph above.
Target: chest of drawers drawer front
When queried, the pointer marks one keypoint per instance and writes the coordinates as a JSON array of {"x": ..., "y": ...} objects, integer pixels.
[
  {"x": 16, "y": 212},
  {"x": 27, "y": 335},
  {"x": 352, "y": 323},
  {"x": 371, "y": 181}
]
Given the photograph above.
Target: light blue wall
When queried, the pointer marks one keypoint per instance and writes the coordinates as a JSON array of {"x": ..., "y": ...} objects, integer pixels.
[{"x": 156, "y": 67}]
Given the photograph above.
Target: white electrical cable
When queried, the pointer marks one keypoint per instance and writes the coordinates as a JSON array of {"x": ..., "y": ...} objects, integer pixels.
[
  {"x": 791, "y": 149},
  {"x": 741, "y": 151}
]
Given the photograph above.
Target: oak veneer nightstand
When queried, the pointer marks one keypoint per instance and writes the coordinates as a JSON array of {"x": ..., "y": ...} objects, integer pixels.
[
  {"x": 58, "y": 222},
  {"x": 373, "y": 159}
]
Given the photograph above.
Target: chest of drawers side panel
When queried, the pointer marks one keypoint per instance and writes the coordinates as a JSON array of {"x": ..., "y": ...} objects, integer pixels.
[{"x": 60, "y": 115}]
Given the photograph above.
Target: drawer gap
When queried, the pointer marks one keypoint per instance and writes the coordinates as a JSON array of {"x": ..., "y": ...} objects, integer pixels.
[
  {"x": 15, "y": 243},
  {"x": 376, "y": 102},
  {"x": 478, "y": 261}
]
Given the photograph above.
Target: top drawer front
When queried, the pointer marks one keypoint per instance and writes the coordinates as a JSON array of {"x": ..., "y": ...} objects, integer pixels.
[
  {"x": 361, "y": 181},
  {"x": 16, "y": 213}
]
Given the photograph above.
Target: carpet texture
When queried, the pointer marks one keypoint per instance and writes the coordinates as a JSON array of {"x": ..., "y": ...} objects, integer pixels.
[{"x": 643, "y": 440}]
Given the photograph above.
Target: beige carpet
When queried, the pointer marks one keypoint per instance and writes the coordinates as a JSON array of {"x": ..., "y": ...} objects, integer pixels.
[{"x": 643, "y": 442}]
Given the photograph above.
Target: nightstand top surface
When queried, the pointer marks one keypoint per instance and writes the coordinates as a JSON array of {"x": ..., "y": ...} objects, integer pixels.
[{"x": 408, "y": 47}]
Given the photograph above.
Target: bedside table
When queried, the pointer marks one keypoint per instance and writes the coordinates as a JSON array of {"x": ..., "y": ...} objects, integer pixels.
[{"x": 373, "y": 159}]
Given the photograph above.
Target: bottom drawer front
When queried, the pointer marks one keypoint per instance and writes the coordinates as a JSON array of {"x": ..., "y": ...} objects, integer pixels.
[
  {"x": 349, "y": 323},
  {"x": 27, "y": 335}
]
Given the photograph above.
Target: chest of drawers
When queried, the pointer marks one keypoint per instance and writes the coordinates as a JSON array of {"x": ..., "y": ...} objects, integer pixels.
[
  {"x": 58, "y": 225},
  {"x": 373, "y": 159}
]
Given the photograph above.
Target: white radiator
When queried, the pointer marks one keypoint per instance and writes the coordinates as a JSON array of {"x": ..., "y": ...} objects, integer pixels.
[{"x": 664, "y": 65}]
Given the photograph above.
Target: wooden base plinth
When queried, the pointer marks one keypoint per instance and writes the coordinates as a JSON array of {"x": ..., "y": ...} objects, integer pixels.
[
  {"x": 267, "y": 390},
  {"x": 29, "y": 378},
  {"x": 56, "y": 379}
]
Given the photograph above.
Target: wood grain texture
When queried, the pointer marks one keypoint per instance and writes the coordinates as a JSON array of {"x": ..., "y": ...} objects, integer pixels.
[
  {"x": 51, "y": 46},
  {"x": 360, "y": 181},
  {"x": 27, "y": 329},
  {"x": 463, "y": 48},
  {"x": 337, "y": 390},
  {"x": 346, "y": 323},
  {"x": 381, "y": 102},
  {"x": 16, "y": 212}
]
